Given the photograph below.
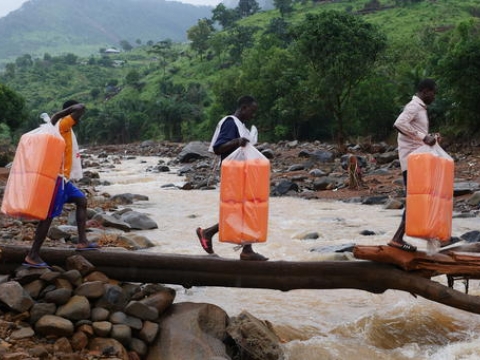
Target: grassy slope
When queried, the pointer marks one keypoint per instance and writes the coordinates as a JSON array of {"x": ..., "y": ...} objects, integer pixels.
[{"x": 402, "y": 26}]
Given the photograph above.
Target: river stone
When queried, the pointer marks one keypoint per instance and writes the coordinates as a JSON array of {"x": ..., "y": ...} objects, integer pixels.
[
  {"x": 102, "y": 328},
  {"x": 111, "y": 221},
  {"x": 34, "y": 288},
  {"x": 191, "y": 331},
  {"x": 23, "y": 332},
  {"x": 474, "y": 200},
  {"x": 79, "y": 263},
  {"x": 141, "y": 311},
  {"x": 15, "y": 297},
  {"x": 138, "y": 346},
  {"x": 40, "y": 309},
  {"x": 99, "y": 314},
  {"x": 139, "y": 221},
  {"x": 114, "y": 299},
  {"x": 108, "y": 346},
  {"x": 471, "y": 236},
  {"x": 194, "y": 150},
  {"x": 255, "y": 337},
  {"x": 91, "y": 289},
  {"x": 52, "y": 325},
  {"x": 73, "y": 276},
  {"x": 149, "y": 331},
  {"x": 58, "y": 296},
  {"x": 79, "y": 341},
  {"x": 122, "y": 333},
  {"x": 77, "y": 308},
  {"x": 161, "y": 300},
  {"x": 128, "y": 198},
  {"x": 120, "y": 317},
  {"x": 465, "y": 187}
]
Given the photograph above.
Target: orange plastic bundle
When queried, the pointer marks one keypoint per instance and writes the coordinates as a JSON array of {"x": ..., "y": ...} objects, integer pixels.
[
  {"x": 32, "y": 178},
  {"x": 429, "y": 205},
  {"x": 244, "y": 194}
]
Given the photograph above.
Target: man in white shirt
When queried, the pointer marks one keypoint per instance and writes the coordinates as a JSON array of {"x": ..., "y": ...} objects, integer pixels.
[{"x": 412, "y": 125}]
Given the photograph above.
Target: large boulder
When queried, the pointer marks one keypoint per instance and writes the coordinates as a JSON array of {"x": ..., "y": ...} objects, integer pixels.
[{"x": 191, "y": 331}]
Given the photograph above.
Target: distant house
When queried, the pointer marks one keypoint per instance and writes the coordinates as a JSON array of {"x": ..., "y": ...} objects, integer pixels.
[{"x": 112, "y": 51}]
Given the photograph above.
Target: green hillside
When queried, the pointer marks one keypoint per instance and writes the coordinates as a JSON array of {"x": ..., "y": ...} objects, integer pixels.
[
  {"x": 83, "y": 27},
  {"x": 317, "y": 74}
]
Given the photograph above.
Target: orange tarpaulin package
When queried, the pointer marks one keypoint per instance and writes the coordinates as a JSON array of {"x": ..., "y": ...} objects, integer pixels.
[
  {"x": 244, "y": 194},
  {"x": 429, "y": 205},
  {"x": 31, "y": 181}
]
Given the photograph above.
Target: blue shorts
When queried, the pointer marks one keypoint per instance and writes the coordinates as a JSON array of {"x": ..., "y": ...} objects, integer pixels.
[{"x": 65, "y": 192}]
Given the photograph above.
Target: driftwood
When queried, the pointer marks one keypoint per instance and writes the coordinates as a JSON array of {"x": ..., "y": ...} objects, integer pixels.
[
  {"x": 148, "y": 267},
  {"x": 461, "y": 261}
]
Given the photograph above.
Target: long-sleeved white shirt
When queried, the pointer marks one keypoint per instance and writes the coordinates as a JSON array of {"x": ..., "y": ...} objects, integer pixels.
[{"x": 412, "y": 125}]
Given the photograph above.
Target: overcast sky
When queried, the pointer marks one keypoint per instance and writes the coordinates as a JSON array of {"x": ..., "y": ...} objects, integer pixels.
[{"x": 9, "y": 5}]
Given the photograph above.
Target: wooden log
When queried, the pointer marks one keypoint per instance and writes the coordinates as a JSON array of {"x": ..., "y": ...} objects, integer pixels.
[
  {"x": 149, "y": 267},
  {"x": 450, "y": 262}
]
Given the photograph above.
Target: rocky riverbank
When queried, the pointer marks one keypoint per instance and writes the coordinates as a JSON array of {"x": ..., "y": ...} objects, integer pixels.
[{"x": 307, "y": 170}]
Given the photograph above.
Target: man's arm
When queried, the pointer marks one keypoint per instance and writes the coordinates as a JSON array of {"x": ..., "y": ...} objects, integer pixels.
[
  {"x": 230, "y": 146},
  {"x": 76, "y": 111}
]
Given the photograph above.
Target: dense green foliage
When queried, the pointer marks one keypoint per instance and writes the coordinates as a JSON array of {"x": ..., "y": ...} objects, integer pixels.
[{"x": 328, "y": 71}]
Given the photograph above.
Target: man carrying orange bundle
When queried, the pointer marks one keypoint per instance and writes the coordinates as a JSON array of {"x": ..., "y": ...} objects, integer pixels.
[
  {"x": 413, "y": 132},
  {"x": 230, "y": 134},
  {"x": 65, "y": 191}
]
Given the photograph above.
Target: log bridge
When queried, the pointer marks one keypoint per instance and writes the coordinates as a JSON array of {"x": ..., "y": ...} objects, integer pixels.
[{"x": 379, "y": 268}]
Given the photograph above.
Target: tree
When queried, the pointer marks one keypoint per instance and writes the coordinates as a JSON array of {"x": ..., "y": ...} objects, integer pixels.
[
  {"x": 164, "y": 50},
  {"x": 247, "y": 7},
  {"x": 125, "y": 45},
  {"x": 460, "y": 69},
  {"x": 241, "y": 38},
  {"x": 341, "y": 50},
  {"x": 24, "y": 61},
  {"x": 225, "y": 17},
  {"x": 12, "y": 108},
  {"x": 132, "y": 77},
  {"x": 284, "y": 6},
  {"x": 199, "y": 35}
]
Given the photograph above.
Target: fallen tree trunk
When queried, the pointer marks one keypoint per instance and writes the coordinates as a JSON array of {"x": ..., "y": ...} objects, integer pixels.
[
  {"x": 149, "y": 267},
  {"x": 460, "y": 261}
]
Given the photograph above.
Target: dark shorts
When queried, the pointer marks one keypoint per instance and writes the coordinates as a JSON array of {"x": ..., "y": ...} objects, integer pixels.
[{"x": 65, "y": 192}]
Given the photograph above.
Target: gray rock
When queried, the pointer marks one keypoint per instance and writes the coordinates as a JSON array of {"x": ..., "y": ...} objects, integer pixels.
[
  {"x": 149, "y": 331},
  {"x": 135, "y": 241},
  {"x": 474, "y": 200},
  {"x": 102, "y": 328},
  {"x": 51, "y": 325},
  {"x": 193, "y": 151},
  {"x": 255, "y": 337},
  {"x": 122, "y": 333},
  {"x": 141, "y": 311},
  {"x": 110, "y": 221},
  {"x": 40, "y": 309},
  {"x": 138, "y": 346},
  {"x": 138, "y": 220},
  {"x": 91, "y": 289},
  {"x": 24, "y": 332},
  {"x": 204, "y": 325},
  {"x": 99, "y": 314},
  {"x": 465, "y": 187},
  {"x": 58, "y": 296},
  {"x": 108, "y": 346},
  {"x": 77, "y": 308},
  {"x": 15, "y": 297}
]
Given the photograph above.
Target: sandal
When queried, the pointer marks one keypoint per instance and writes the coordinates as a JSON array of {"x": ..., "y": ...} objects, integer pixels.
[
  {"x": 403, "y": 246},
  {"x": 204, "y": 241},
  {"x": 252, "y": 256}
]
